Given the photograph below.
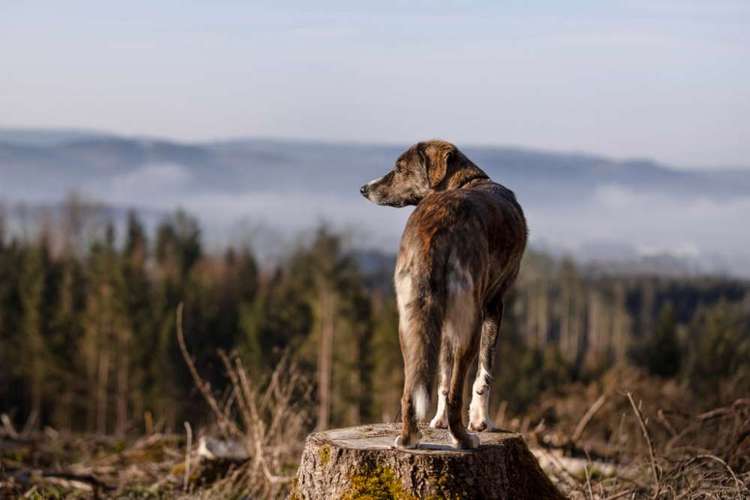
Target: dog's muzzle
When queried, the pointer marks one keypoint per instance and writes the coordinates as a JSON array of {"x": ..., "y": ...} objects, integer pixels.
[{"x": 365, "y": 190}]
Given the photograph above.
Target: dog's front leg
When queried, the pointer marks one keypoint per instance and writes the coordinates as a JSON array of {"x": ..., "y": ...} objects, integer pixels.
[{"x": 479, "y": 408}]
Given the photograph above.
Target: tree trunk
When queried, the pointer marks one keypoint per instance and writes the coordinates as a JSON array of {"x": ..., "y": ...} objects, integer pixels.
[
  {"x": 123, "y": 392},
  {"x": 325, "y": 356},
  {"x": 102, "y": 391},
  {"x": 361, "y": 462}
]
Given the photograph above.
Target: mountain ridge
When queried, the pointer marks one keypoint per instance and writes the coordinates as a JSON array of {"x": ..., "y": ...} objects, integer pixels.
[{"x": 574, "y": 201}]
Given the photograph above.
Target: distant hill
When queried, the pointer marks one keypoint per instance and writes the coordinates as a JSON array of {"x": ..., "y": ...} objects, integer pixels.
[{"x": 593, "y": 207}]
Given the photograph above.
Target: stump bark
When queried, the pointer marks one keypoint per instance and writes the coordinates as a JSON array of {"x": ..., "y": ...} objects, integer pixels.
[{"x": 359, "y": 462}]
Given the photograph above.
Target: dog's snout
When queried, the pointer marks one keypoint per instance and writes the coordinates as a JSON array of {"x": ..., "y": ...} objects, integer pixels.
[{"x": 365, "y": 190}]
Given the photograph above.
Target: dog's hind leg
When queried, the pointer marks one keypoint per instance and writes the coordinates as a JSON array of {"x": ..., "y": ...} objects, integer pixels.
[
  {"x": 479, "y": 419},
  {"x": 462, "y": 337},
  {"x": 410, "y": 435},
  {"x": 461, "y": 438},
  {"x": 419, "y": 333},
  {"x": 440, "y": 420}
]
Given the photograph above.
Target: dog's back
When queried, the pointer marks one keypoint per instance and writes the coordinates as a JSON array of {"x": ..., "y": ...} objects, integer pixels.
[{"x": 479, "y": 229}]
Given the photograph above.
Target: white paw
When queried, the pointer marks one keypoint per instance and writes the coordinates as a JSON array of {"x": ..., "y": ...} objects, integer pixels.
[
  {"x": 478, "y": 419},
  {"x": 481, "y": 424},
  {"x": 439, "y": 422}
]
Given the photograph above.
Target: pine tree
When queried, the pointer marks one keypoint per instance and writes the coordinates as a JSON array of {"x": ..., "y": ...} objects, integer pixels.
[
  {"x": 107, "y": 338},
  {"x": 660, "y": 353},
  {"x": 386, "y": 353},
  {"x": 65, "y": 338},
  {"x": 33, "y": 350},
  {"x": 138, "y": 303}
]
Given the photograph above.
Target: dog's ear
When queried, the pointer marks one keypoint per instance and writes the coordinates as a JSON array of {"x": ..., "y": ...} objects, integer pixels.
[{"x": 437, "y": 158}]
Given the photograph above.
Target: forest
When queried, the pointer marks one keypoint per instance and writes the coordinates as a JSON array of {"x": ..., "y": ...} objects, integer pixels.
[{"x": 88, "y": 341}]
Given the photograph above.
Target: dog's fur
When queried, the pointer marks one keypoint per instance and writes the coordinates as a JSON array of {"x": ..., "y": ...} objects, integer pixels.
[{"x": 460, "y": 251}]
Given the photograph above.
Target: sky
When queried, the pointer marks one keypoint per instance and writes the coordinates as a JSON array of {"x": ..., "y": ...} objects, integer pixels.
[{"x": 661, "y": 79}]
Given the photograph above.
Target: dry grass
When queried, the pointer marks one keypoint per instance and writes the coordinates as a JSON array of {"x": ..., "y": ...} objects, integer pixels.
[
  {"x": 624, "y": 436},
  {"x": 269, "y": 418},
  {"x": 645, "y": 448}
]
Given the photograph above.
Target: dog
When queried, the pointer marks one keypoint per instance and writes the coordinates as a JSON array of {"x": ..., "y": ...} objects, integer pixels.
[{"x": 460, "y": 251}]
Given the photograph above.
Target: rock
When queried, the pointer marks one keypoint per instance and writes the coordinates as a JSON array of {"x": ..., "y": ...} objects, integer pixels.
[{"x": 211, "y": 448}]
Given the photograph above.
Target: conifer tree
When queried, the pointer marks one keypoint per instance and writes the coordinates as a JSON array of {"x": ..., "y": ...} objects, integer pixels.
[{"x": 33, "y": 349}]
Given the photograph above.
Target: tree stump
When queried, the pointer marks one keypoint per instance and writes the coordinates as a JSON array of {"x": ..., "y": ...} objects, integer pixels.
[{"x": 359, "y": 462}]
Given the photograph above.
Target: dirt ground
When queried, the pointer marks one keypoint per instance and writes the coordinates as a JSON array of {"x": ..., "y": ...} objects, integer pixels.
[{"x": 623, "y": 436}]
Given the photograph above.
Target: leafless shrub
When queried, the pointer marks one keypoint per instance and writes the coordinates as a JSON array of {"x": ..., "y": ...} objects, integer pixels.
[
  {"x": 270, "y": 419},
  {"x": 707, "y": 456}
]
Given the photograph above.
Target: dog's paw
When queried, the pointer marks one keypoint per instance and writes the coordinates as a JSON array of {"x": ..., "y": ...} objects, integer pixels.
[
  {"x": 481, "y": 425},
  {"x": 478, "y": 419},
  {"x": 410, "y": 443},
  {"x": 439, "y": 422}
]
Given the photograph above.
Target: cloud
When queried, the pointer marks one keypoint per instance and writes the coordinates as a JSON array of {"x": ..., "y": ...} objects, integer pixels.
[
  {"x": 651, "y": 222},
  {"x": 154, "y": 185},
  {"x": 368, "y": 224}
]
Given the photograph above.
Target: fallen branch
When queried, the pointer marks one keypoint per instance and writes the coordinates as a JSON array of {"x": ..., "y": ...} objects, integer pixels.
[
  {"x": 85, "y": 482},
  {"x": 587, "y": 418}
]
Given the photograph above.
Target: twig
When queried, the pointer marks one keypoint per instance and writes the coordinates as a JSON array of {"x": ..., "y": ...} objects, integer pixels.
[
  {"x": 648, "y": 442},
  {"x": 618, "y": 495},
  {"x": 8, "y": 426},
  {"x": 30, "y": 423},
  {"x": 274, "y": 382},
  {"x": 72, "y": 480},
  {"x": 254, "y": 426},
  {"x": 188, "y": 446},
  {"x": 588, "y": 481},
  {"x": 587, "y": 417},
  {"x": 663, "y": 419},
  {"x": 718, "y": 412},
  {"x": 242, "y": 403},
  {"x": 203, "y": 386},
  {"x": 727, "y": 467},
  {"x": 258, "y": 426}
]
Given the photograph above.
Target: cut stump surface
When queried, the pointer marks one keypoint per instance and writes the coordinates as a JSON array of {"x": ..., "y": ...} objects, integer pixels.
[{"x": 361, "y": 462}]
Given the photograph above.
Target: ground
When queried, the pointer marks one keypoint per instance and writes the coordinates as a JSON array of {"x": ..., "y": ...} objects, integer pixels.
[{"x": 625, "y": 435}]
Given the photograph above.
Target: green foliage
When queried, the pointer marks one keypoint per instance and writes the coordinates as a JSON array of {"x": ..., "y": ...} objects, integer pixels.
[
  {"x": 388, "y": 366},
  {"x": 523, "y": 372},
  {"x": 87, "y": 338},
  {"x": 720, "y": 348},
  {"x": 660, "y": 353}
]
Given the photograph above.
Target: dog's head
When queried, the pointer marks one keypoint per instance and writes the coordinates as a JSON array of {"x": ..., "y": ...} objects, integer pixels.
[{"x": 424, "y": 168}]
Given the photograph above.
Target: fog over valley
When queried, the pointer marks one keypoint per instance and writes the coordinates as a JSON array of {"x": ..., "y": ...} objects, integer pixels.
[{"x": 636, "y": 214}]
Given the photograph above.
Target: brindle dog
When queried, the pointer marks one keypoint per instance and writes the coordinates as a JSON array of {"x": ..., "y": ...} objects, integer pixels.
[{"x": 459, "y": 254}]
